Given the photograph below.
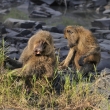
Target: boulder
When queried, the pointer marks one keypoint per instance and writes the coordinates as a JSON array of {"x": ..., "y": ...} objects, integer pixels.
[{"x": 103, "y": 23}]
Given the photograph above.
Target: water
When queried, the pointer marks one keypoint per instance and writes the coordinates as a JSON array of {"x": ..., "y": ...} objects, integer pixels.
[{"x": 70, "y": 16}]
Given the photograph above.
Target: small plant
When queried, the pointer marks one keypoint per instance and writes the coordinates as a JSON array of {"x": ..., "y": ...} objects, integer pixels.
[{"x": 14, "y": 13}]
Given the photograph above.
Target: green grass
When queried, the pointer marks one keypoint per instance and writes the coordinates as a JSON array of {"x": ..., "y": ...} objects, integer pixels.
[
  {"x": 77, "y": 95},
  {"x": 14, "y": 13},
  {"x": 66, "y": 21}
]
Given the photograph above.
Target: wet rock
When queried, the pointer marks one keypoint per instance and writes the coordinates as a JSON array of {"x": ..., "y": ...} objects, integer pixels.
[
  {"x": 14, "y": 56},
  {"x": 24, "y": 32},
  {"x": 76, "y": 2},
  {"x": 105, "y": 47},
  {"x": 103, "y": 23},
  {"x": 44, "y": 11},
  {"x": 50, "y": 28},
  {"x": 105, "y": 55},
  {"x": 60, "y": 28},
  {"x": 12, "y": 49},
  {"x": 4, "y": 11},
  {"x": 37, "y": 26},
  {"x": 49, "y": 2},
  {"x": 57, "y": 35},
  {"x": 106, "y": 42},
  {"x": 104, "y": 63},
  {"x": 108, "y": 36},
  {"x": 98, "y": 3},
  {"x": 12, "y": 23},
  {"x": 39, "y": 14},
  {"x": 103, "y": 33},
  {"x": 106, "y": 11},
  {"x": 16, "y": 39},
  {"x": 100, "y": 40}
]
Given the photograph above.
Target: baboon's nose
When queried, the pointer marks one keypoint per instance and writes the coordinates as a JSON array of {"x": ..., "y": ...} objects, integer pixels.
[{"x": 38, "y": 51}]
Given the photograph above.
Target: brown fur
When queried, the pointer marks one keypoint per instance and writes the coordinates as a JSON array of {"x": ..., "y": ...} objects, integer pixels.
[
  {"x": 39, "y": 63},
  {"x": 84, "y": 48}
]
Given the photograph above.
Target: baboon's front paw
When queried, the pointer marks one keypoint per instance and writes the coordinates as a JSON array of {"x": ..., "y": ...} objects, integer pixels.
[
  {"x": 62, "y": 63},
  {"x": 62, "y": 67},
  {"x": 81, "y": 61}
]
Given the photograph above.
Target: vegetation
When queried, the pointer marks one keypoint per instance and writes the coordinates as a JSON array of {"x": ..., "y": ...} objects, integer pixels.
[
  {"x": 14, "y": 13},
  {"x": 78, "y": 94}
]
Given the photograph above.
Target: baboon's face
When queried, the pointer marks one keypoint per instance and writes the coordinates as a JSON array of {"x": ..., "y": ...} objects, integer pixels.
[
  {"x": 39, "y": 47},
  {"x": 71, "y": 35}
]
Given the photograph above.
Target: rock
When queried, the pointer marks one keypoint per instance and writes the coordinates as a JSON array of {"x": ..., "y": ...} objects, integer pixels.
[
  {"x": 51, "y": 11},
  {"x": 103, "y": 23},
  {"x": 108, "y": 36},
  {"x": 106, "y": 11},
  {"x": 57, "y": 35},
  {"x": 103, "y": 33},
  {"x": 60, "y": 28},
  {"x": 11, "y": 50},
  {"x": 50, "y": 28},
  {"x": 105, "y": 71},
  {"x": 24, "y": 32},
  {"x": 104, "y": 63},
  {"x": 49, "y": 2},
  {"x": 12, "y": 23},
  {"x": 100, "y": 40},
  {"x": 106, "y": 42},
  {"x": 76, "y": 2},
  {"x": 4, "y": 11},
  {"x": 98, "y": 3},
  {"x": 105, "y": 55},
  {"x": 38, "y": 26},
  {"x": 14, "y": 56},
  {"x": 105, "y": 47}
]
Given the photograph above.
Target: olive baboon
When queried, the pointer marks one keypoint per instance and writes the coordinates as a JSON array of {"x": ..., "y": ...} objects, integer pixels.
[
  {"x": 38, "y": 57},
  {"x": 84, "y": 49}
]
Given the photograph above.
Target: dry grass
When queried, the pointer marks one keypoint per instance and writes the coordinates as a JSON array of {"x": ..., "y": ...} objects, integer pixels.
[{"x": 81, "y": 95}]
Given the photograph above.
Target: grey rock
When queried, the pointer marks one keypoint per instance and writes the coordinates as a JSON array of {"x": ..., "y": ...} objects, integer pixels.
[
  {"x": 60, "y": 28},
  {"x": 103, "y": 23},
  {"x": 106, "y": 11},
  {"x": 105, "y": 55},
  {"x": 4, "y": 11},
  {"x": 105, "y": 71},
  {"x": 108, "y": 36},
  {"x": 98, "y": 3},
  {"x": 104, "y": 63},
  {"x": 100, "y": 40},
  {"x": 12, "y": 23},
  {"x": 49, "y": 2},
  {"x": 57, "y": 35},
  {"x": 106, "y": 42},
  {"x": 12, "y": 50},
  {"x": 105, "y": 47}
]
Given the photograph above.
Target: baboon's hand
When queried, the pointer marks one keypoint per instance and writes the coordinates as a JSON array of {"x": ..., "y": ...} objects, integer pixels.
[
  {"x": 62, "y": 67},
  {"x": 62, "y": 63},
  {"x": 81, "y": 61}
]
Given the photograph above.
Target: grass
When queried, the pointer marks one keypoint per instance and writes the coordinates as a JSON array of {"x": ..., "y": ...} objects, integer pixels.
[
  {"x": 66, "y": 21},
  {"x": 14, "y": 13},
  {"x": 76, "y": 95}
]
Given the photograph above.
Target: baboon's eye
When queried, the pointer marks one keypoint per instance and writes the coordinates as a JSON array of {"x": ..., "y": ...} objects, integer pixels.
[
  {"x": 44, "y": 45},
  {"x": 70, "y": 32}
]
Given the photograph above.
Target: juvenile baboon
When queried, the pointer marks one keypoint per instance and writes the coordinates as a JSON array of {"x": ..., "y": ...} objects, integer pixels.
[
  {"x": 38, "y": 57},
  {"x": 84, "y": 49}
]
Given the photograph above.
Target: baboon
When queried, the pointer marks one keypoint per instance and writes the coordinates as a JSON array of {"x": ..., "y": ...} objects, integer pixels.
[
  {"x": 38, "y": 57},
  {"x": 84, "y": 49}
]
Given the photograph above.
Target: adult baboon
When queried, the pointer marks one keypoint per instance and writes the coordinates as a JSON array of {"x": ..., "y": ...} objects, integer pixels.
[
  {"x": 38, "y": 57},
  {"x": 84, "y": 49}
]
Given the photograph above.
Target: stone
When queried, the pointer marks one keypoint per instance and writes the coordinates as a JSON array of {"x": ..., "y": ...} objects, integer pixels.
[
  {"x": 105, "y": 55},
  {"x": 105, "y": 47},
  {"x": 103, "y": 23},
  {"x": 98, "y": 3},
  {"x": 12, "y": 50},
  {"x": 60, "y": 28},
  {"x": 104, "y": 63},
  {"x": 106, "y": 11},
  {"x": 108, "y": 36},
  {"x": 12, "y": 23},
  {"x": 57, "y": 35}
]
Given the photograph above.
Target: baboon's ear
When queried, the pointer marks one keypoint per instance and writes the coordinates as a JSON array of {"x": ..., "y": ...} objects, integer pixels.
[{"x": 69, "y": 31}]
